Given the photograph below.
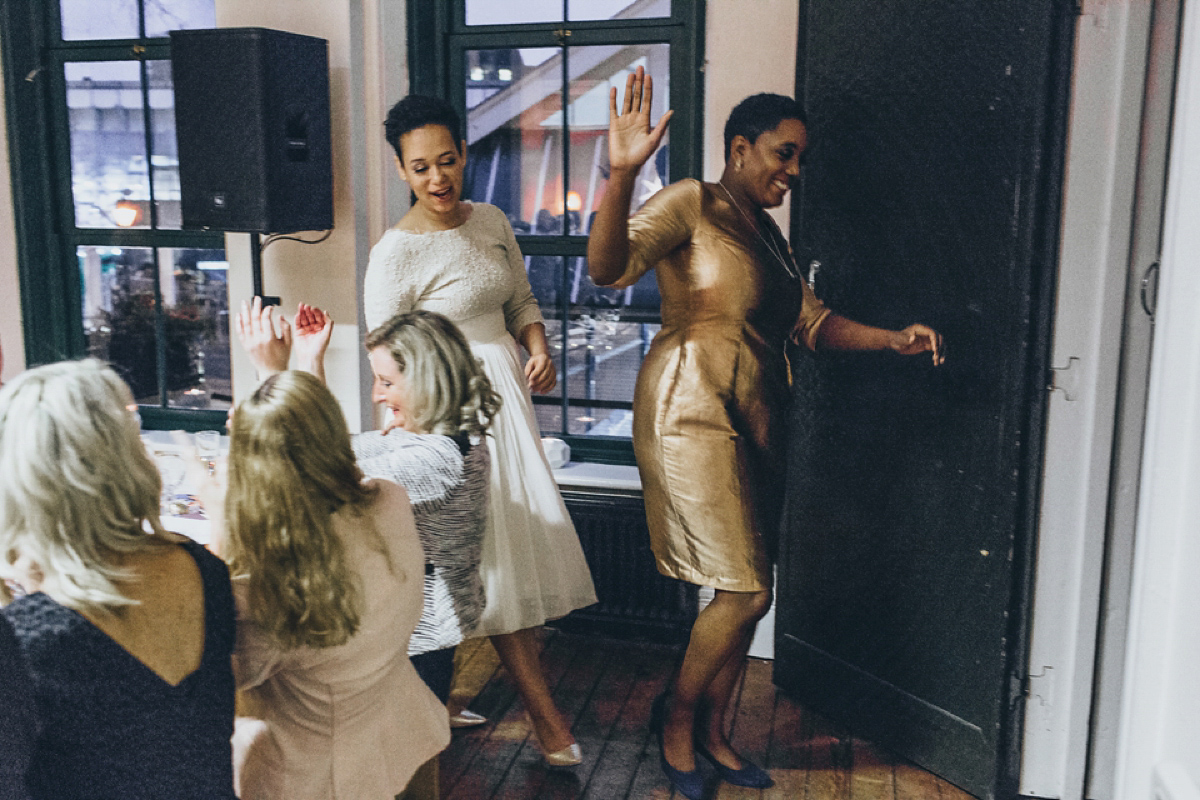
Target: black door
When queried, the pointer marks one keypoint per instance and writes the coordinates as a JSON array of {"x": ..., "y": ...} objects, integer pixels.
[{"x": 930, "y": 194}]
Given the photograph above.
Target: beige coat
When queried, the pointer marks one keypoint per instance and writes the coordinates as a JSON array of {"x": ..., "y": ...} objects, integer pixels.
[{"x": 351, "y": 722}]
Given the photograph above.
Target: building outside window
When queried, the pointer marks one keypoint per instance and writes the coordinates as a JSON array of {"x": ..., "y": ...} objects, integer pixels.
[
  {"x": 119, "y": 279},
  {"x": 532, "y": 80}
]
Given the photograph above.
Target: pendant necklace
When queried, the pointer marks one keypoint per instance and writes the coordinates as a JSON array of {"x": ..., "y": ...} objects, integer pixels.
[{"x": 788, "y": 265}]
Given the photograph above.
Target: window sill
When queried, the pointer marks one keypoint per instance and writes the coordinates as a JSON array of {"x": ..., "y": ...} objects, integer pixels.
[{"x": 592, "y": 475}]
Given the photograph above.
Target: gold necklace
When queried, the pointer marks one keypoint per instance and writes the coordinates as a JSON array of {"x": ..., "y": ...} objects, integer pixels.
[{"x": 789, "y": 266}]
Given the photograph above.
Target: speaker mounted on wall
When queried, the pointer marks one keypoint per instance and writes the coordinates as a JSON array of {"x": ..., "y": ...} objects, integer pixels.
[{"x": 252, "y": 122}]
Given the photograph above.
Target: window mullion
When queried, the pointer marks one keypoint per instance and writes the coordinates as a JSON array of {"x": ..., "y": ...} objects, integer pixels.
[
  {"x": 564, "y": 298},
  {"x": 160, "y": 329},
  {"x": 160, "y": 313},
  {"x": 148, "y": 136}
]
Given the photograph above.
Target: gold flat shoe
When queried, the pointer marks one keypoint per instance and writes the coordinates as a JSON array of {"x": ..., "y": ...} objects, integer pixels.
[
  {"x": 570, "y": 756},
  {"x": 466, "y": 719}
]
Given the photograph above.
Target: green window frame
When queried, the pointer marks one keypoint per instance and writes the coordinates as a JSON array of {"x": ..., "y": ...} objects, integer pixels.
[
  {"x": 439, "y": 41},
  {"x": 48, "y": 238}
]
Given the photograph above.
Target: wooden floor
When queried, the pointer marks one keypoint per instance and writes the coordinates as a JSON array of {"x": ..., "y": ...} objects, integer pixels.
[{"x": 606, "y": 686}]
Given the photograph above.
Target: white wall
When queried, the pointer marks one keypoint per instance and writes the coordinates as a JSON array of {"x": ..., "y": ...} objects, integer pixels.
[
  {"x": 1161, "y": 704},
  {"x": 750, "y": 47},
  {"x": 326, "y": 274},
  {"x": 10, "y": 296}
]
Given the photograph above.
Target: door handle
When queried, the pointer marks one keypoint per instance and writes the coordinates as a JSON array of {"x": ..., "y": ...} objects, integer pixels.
[{"x": 1150, "y": 301}]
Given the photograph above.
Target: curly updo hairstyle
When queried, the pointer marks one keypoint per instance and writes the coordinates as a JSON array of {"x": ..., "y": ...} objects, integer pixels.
[
  {"x": 417, "y": 111},
  {"x": 449, "y": 391}
]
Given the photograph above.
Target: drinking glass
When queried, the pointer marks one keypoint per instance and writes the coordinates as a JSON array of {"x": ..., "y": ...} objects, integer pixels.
[
  {"x": 208, "y": 445},
  {"x": 172, "y": 469}
]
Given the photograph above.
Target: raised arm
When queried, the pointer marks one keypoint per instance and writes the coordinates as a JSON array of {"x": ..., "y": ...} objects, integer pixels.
[
  {"x": 265, "y": 338},
  {"x": 631, "y": 143},
  {"x": 313, "y": 330},
  {"x": 270, "y": 341}
]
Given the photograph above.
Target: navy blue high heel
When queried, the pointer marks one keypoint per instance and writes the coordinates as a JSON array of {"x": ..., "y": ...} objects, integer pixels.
[
  {"x": 689, "y": 784},
  {"x": 751, "y": 775}
]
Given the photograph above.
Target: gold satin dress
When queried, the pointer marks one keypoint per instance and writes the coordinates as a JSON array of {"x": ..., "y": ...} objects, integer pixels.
[{"x": 709, "y": 407}]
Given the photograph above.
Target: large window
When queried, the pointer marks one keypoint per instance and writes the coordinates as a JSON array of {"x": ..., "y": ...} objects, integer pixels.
[
  {"x": 106, "y": 269},
  {"x": 533, "y": 80}
]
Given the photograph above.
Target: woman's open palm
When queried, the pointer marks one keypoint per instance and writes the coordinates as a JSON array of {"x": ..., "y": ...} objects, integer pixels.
[{"x": 631, "y": 140}]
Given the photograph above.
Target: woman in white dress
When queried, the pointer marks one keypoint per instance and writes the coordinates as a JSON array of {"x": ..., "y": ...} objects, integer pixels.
[{"x": 461, "y": 259}]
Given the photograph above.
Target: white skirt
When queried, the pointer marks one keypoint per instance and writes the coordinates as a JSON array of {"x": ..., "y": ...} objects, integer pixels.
[{"x": 533, "y": 568}]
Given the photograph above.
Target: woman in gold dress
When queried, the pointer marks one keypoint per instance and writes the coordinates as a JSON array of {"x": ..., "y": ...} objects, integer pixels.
[{"x": 711, "y": 394}]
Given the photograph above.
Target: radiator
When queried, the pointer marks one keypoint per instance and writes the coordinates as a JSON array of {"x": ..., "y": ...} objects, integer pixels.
[
  {"x": 635, "y": 601},
  {"x": 1172, "y": 782}
]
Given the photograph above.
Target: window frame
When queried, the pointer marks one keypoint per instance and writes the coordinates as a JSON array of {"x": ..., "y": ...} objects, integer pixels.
[
  {"x": 47, "y": 237},
  {"x": 438, "y": 39}
]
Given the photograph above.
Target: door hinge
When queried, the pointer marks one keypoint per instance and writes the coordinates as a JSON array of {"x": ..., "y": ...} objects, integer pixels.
[
  {"x": 1040, "y": 686},
  {"x": 1065, "y": 379},
  {"x": 1096, "y": 9}
]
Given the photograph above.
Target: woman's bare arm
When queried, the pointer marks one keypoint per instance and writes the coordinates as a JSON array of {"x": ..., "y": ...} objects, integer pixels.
[
  {"x": 631, "y": 142},
  {"x": 841, "y": 333}
]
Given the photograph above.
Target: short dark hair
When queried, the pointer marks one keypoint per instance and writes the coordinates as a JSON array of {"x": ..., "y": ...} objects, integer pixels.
[
  {"x": 758, "y": 114},
  {"x": 417, "y": 111}
]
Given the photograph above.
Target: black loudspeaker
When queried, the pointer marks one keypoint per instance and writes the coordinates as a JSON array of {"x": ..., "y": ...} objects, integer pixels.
[{"x": 252, "y": 122}]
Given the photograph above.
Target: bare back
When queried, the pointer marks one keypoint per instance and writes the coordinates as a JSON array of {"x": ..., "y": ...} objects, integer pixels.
[{"x": 165, "y": 631}]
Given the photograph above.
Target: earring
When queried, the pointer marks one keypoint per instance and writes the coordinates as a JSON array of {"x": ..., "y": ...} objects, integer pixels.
[{"x": 739, "y": 166}]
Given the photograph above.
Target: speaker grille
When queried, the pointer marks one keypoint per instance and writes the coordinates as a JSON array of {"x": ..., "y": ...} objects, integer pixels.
[{"x": 252, "y": 121}]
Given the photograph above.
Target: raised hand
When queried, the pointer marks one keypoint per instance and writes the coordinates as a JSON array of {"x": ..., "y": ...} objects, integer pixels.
[
  {"x": 631, "y": 140},
  {"x": 313, "y": 329},
  {"x": 265, "y": 338}
]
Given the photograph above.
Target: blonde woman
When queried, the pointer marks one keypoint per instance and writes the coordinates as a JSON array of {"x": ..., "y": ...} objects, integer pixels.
[
  {"x": 442, "y": 405},
  {"x": 328, "y": 582},
  {"x": 126, "y": 629}
]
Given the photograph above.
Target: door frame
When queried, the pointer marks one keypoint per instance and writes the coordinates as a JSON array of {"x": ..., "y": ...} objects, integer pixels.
[{"x": 1075, "y": 559}]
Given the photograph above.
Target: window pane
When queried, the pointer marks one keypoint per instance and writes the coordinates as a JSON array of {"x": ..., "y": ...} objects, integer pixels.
[
  {"x": 196, "y": 300},
  {"x": 617, "y": 9},
  {"x": 594, "y": 71},
  {"x": 604, "y": 356},
  {"x": 515, "y": 147},
  {"x": 641, "y": 299},
  {"x": 549, "y": 419},
  {"x": 99, "y": 19},
  {"x": 118, "y": 314},
  {"x": 109, "y": 178},
  {"x": 507, "y": 12},
  {"x": 163, "y": 16},
  {"x": 119, "y": 320},
  {"x": 545, "y": 278},
  {"x": 164, "y": 158}
]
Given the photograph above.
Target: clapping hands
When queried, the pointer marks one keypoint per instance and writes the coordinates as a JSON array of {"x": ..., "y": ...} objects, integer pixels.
[
  {"x": 267, "y": 339},
  {"x": 313, "y": 330}
]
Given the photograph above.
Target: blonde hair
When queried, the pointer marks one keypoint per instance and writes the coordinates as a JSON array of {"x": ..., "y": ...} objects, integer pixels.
[
  {"x": 79, "y": 492},
  {"x": 450, "y": 393},
  {"x": 290, "y": 470}
]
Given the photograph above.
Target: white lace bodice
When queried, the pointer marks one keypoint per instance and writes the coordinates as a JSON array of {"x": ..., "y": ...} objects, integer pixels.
[{"x": 463, "y": 273}]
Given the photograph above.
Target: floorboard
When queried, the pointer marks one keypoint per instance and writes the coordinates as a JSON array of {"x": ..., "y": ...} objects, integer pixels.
[{"x": 606, "y": 687}]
